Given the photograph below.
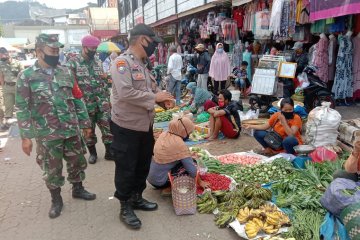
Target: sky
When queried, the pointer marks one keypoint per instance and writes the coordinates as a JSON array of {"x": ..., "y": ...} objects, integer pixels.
[{"x": 64, "y": 3}]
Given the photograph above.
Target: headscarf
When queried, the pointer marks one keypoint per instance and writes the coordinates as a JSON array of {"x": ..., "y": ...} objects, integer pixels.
[
  {"x": 209, "y": 104},
  {"x": 201, "y": 95},
  {"x": 192, "y": 87},
  {"x": 170, "y": 146},
  {"x": 220, "y": 68}
]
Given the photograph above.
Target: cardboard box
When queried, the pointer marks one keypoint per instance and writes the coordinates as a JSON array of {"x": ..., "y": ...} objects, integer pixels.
[{"x": 203, "y": 128}]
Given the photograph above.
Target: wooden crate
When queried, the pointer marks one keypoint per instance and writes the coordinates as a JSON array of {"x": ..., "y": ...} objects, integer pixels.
[
  {"x": 203, "y": 128},
  {"x": 349, "y": 131}
]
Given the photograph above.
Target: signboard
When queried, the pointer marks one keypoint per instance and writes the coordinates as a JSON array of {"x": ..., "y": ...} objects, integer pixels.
[
  {"x": 287, "y": 70},
  {"x": 61, "y": 34},
  {"x": 239, "y": 2},
  {"x": 75, "y": 36},
  {"x": 322, "y": 9}
]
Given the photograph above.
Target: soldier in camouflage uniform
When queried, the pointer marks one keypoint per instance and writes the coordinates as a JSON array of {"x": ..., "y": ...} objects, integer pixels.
[
  {"x": 9, "y": 69},
  {"x": 51, "y": 110},
  {"x": 93, "y": 83}
]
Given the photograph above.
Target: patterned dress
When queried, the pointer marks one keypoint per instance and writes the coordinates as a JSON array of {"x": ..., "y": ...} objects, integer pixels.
[
  {"x": 321, "y": 59},
  {"x": 343, "y": 83},
  {"x": 356, "y": 67}
]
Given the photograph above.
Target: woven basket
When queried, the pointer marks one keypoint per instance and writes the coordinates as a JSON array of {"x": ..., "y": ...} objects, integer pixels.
[
  {"x": 350, "y": 216},
  {"x": 184, "y": 195}
]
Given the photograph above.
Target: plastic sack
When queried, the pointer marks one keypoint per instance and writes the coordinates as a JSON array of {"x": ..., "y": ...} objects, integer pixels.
[
  {"x": 303, "y": 80},
  {"x": 335, "y": 199},
  {"x": 322, "y": 126},
  {"x": 251, "y": 114},
  {"x": 323, "y": 154}
]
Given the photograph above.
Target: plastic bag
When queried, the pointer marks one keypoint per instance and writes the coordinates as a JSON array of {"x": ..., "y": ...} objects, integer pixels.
[
  {"x": 323, "y": 154},
  {"x": 303, "y": 80},
  {"x": 335, "y": 199},
  {"x": 322, "y": 126},
  {"x": 251, "y": 114}
]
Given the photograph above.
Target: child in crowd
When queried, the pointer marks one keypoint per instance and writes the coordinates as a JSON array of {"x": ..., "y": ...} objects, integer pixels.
[{"x": 242, "y": 82}]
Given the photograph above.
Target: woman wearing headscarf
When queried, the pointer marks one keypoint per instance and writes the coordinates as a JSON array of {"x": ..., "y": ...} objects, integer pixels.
[
  {"x": 171, "y": 154},
  {"x": 199, "y": 96},
  {"x": 220, "y": 68}
]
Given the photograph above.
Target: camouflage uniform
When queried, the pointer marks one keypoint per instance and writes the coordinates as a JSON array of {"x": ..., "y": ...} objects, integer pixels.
[
  {"x": 48, "y": 112},
  {"x": 10, "y": 70},
  {"x": 89, "y": 75}
]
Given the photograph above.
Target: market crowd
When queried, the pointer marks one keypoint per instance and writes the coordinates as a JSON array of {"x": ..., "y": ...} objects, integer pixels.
[{"x": 60, "y": 106}]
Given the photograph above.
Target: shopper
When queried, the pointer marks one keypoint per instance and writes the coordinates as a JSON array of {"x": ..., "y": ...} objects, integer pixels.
[
  {"x": 220, "y": 68},
  {"x": 50, "y": 109},
  {"x": 300, "y": 57},
  {"x": 224, "y": 117},
  {"x": 135, "y": 93},
  {"x": 172, "y": 155},
  {"x": 175, "y": 64},
  {"x": 203, "y": 65},
  {"x": 199, "y": 96},
  {"x": 287, "y": 124}
]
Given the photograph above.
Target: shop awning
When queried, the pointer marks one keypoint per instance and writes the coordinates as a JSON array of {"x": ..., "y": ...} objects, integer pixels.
[
  {"x": 165, "y": 20},
  {"x": 239, "y": 2},
  {"x": 323, "y": 9},
  {"x": 196, "y": 10},
  {"x": 105, "y": 33}
]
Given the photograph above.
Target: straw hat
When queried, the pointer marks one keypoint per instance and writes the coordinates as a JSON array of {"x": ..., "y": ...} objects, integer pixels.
[{"x": 200, "y": 47}]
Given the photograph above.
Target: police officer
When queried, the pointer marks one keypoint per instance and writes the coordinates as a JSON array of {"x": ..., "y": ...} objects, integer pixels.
[
  {"x": 9, "y": 70},
  {"x": 94, "y": 85},
  {"x": 134, "y": 95},
  {"x": 50, "y": 109}
]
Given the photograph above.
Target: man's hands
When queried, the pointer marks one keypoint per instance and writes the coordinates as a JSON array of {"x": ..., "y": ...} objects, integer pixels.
[
  {"x": 282, "y": 119},
  {"x": 87, "y": 132},
  {"x": 27, "y": 146},
  {"x": 163, "y": 96}
]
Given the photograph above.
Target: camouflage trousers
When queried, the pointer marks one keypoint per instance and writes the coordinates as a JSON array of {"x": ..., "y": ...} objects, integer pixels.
[
  {"x": 9, "y": 100},
  {"x": 50, "y": 155},
  {"x": 101, "y": 119}
]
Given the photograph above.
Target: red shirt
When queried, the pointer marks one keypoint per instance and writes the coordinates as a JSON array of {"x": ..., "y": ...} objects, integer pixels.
[{"x": 238, "y": 16}]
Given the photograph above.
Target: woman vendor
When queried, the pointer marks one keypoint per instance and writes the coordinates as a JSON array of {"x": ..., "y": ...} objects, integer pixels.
[
  {"x": 352, "y": 165},
  {"x": 287, "y": 124},
  {"x": 171, "y": 154},
  {"x": 199, "y": 96}
]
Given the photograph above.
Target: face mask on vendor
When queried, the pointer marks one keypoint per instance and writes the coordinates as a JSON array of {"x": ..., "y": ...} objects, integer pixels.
[
  {"x": 288, "y": 115},
  {"x": 220, "y": 50},
  {"x": 221, "y": 103}
]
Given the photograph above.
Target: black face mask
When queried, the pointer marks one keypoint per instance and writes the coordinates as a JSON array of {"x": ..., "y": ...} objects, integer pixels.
[
  {"x": 4, "y": 59},
  {"x": 288, "y": 115},
  {"x": 52, "y": 61},
  {"x": 91, "y": 54},
  {"x": 150, "y": 49}
]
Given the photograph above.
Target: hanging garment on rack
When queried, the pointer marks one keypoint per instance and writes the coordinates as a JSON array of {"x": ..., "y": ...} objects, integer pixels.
[
  {"x": 238, "y": 16},
  {"x": 229, "y": 30},
  {"x": 285, "y": 24},
  {"x": 262, "y": 30},
  {"x": 338, "y": 25},
  {"x": 356, "y": 66},
  {"x": 247, "y": 58},
  {"x": 211, "y": 18},
  {"x": 344, "y": 84},
  {"x": 276, "y": 16},
  {"x": 321, "y": 59},
  {"x": 332, "y": 57},
  {"x": 292, "y": 17},
  {"x": 237, "y": 54},
  {"x": 318, "y": 26},
  {"x": 299, "y": 7}
]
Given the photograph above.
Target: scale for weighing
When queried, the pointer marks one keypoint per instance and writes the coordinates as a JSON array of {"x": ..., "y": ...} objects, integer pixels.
[{"x": 303, "y": 151}]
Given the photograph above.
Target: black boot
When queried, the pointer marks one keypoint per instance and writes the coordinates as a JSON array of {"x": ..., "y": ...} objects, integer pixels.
[
  {"x": 56, "y": 203},
  {"x": 78, "y": 191},
  {"x": 138, "y": 202},
  {"x": 93, "y": 154},
  {"x": 128, "y": 216},
  {"x": 109, "y": 154}
]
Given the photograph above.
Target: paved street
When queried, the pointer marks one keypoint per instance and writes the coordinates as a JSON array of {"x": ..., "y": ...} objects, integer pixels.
[{"x": 25, "y": 201}]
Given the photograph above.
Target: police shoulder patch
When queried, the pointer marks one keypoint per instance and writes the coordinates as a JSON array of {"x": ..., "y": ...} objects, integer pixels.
[{"x": 121, "y": 66}]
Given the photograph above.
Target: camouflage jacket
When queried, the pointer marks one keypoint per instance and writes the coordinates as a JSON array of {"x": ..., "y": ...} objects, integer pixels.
[
  {"x": 93, "y": 84},
  {"x": 10, "y": 70},
  {"x": 47, "y": 109}
]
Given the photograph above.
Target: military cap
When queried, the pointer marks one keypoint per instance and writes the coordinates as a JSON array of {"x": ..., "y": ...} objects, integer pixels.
[
  {"x": 143, "y": 29},
  {"x": 3, "y": 50},
  {"x": 51, "y": 40}
]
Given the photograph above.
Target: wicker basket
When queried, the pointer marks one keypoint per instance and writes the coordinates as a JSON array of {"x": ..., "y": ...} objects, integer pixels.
[
  {"x": 350, "y": 216},
  {"x": 184, "y": 195}
]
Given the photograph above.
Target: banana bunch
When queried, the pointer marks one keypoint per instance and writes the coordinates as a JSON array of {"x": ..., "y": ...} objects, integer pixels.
[
  {"x": 227, "y": 213},
  {"x": 256, "y": 225},
  {"x": 254, "y": 203},
  {"x": 244, "y": 215},
  {"x": 277, "y": 219},
  {"x": 256, "y": 191},
  {"x": 159, "y": 109},
  {"x": 206, "y": 203},
  {"x": 269, "y": 208}
]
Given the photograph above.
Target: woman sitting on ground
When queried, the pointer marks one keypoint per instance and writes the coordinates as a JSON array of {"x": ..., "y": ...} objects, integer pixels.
[
  {"x": 225, "y": 117},
  {"x": 171, "y": 155},
  {"x": 199, "y": 96},
  {"x": 287, "y": 124}
]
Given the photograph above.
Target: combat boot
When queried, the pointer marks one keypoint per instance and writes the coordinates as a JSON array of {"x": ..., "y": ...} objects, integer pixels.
[
  {"x": 93, "y": 154},
  {"x": 79, "y": 191},
  {"x": 128, "y": 216},
  {"x": 109, "y": 154},
  {"x": 138, "y": 202},
  {"x": 56, "y": 203}
]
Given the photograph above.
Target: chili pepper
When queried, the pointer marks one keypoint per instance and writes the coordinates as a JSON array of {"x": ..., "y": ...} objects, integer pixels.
[{"x": 217, "y": 182}]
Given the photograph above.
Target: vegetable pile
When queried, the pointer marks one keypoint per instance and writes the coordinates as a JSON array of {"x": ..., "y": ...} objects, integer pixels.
[
  {"x": 196, "y": 136},
  {"x": 217, "y": 182},
  {"x": 238, "y": 159},
  {"x": 163, "y": 116}
]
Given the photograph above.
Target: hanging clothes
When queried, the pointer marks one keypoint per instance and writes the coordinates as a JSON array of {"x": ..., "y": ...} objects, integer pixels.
[
  {"x": 344, "y": 84},
  {"x": 305, "y": 12},
  {"x": 339, "y": 25},
  {"x": 262, "y": 20},
  {"x": 237, "y": 54},
  {"x": 230, "y": 31},
  {"x": 238, "y": 16},
  {"x": 276, "y": 15},
  {"x": 332, "y": 57},
  {"x": 318, "y": 26},
  {"x": 312, "y": 53},
  {"x": 321, "y": 59},
  {"x": 356, "y": 23},
  {"x": 247, "y": 58},
  {"x": 356, "y": 66}
]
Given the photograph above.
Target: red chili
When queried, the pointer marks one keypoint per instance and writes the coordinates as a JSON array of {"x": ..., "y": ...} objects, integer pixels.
[{"x": 217, "y": 182}]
